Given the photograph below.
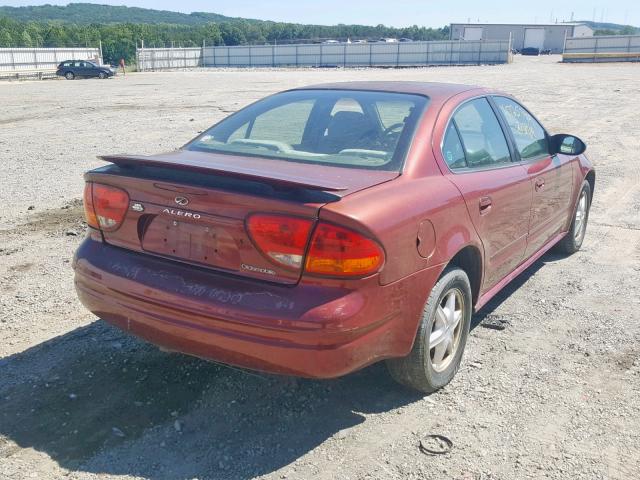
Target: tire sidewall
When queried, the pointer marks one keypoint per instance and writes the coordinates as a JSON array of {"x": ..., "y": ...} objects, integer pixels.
[
  {"x": 453, "y": 279},
  {"x": 585, "y": 187},
  {"x": 102, "y": 75},
  {"x": 69, "y": 76}
]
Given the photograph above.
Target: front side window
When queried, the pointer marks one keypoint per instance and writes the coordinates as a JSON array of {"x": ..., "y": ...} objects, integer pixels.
[
  {"x": 530, "y": 137},
  {"x": 361, "y": 129},
  {"x": 484, "y": 142},
  {"x": 393, "y": 113}
]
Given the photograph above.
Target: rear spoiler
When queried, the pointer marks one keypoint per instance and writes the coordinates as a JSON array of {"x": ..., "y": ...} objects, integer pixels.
[{"x": 227, "y": 169}]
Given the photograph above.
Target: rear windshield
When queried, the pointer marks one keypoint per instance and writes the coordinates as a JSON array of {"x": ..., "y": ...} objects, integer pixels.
[{"x": 347, "y": 128}]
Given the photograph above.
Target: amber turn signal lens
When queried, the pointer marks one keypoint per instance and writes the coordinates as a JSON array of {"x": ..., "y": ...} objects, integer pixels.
[
  {"x": 89, "y": 212},
  {"x": 341, "y": 252}
]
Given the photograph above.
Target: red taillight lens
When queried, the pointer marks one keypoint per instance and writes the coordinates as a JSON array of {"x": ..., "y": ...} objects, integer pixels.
[
  {"x": 282, "y": 239},
  {"x": 338, "y": 251},
  {"x": 105, "y": 206}
]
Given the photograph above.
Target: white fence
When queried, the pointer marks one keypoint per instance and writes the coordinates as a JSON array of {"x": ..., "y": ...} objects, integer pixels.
[
  {"x": 38, "y": 61},
  {"x": 168, "y": 58},
  {"x": 614, "y": 48},
  {"x": 329, "y": 55}
]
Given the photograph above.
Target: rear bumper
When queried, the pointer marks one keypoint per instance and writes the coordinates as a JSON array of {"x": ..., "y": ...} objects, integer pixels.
[{"x": 307, "y": 330}]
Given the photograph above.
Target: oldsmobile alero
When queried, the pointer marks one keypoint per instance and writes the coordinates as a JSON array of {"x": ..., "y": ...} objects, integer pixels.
[{"x": 325, "y": 228}]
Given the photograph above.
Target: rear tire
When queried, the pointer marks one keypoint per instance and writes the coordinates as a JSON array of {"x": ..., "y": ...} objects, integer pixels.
[
  {"x": 572, "y": 241},
  {"x": 426, "y": 368},
  {"x": 69, "y": 76}
]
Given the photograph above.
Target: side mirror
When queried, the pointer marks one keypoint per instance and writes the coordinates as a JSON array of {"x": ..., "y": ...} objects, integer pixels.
[{"x": 566, "y": 144}]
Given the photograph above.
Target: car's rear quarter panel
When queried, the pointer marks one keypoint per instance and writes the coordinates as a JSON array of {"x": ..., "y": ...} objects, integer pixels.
[{"x": 393, "y": 213}]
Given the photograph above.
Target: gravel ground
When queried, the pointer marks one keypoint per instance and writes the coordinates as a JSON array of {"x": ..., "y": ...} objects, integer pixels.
[{"x": 554, "y": 395}]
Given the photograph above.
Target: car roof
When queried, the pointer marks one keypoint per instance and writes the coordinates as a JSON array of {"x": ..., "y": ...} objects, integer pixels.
[{"x": 434, "y": 90}]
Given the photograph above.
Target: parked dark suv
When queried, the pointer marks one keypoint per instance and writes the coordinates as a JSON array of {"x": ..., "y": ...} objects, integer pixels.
[{"x": 71, "y": 69}]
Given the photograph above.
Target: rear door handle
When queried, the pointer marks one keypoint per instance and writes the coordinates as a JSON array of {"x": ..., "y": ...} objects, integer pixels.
[
  {"x": 539, "y": 184},
  {"x": 485, "y": 205}
]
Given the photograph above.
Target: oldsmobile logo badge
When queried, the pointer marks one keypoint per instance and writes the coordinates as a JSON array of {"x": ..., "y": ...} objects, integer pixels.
[{"x": 182, "y": 201}]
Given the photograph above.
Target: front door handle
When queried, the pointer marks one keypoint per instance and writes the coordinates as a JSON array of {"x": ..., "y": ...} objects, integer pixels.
[
  {"x": 539, "y": 184},
  {"x": 485, "y": 205}
]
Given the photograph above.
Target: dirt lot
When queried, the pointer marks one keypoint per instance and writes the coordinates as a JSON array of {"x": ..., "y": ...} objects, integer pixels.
[{"x": 555, "y": 395}]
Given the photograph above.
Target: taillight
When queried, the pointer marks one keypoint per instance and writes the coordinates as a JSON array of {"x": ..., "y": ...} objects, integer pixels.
[
  {"x": 333, "y": 250},
  {"x": 105, "y": 206},
  {"x": 338, "y": 251},
  {"x": 282, "y": 239},
  {"x": 89, "y": 212}
]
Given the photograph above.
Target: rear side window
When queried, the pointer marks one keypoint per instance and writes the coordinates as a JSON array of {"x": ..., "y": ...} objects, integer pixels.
[
  {"x": 484, "y": 142},
  {"x": 452, "y": 149},
  {"x": 530, "y": 137}
]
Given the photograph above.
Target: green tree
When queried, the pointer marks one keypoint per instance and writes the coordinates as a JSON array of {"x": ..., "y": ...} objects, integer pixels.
[
  {"x": 231, "y": 34},
  {"x": 628, "y": 30},
  {"x": 211, "y": 34},
  {"x": 26, "y": 40},
  {"x": 5, "y": 39},
  {"x": 56, "y": 36}
]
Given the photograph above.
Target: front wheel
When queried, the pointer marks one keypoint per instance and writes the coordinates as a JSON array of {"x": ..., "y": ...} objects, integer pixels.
[
  {"x": 102, "y": 75},
  {"x": 441, "y": 337},
  {"x": 572, "y": 241}
]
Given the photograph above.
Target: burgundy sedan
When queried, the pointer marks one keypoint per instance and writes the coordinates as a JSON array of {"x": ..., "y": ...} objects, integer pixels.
[{"x": 325, "y": 228}]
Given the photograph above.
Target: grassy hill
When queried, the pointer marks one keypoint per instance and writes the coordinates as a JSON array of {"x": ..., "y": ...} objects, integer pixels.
[{"x": 85, "y": 13}]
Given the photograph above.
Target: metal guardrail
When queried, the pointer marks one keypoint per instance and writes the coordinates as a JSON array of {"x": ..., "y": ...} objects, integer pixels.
[
  {"x": 609, "y": 48},
  {"x": 400, "y": 54},
  {"x": 27, "y": 74}
]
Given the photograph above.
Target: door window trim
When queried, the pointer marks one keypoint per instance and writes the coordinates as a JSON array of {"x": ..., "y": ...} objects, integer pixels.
[
  {"x": 537, "y": 158},
  {"x": 513, "y": 153}
]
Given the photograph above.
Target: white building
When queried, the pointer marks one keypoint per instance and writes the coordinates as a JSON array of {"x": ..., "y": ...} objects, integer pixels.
[{"x": 543, "y": 36}]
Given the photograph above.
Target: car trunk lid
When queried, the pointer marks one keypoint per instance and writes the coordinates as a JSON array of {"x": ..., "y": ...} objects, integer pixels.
[{"x": 192, "y": 206}]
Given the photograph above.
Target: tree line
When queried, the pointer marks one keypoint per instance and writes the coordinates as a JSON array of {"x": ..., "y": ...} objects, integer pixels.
[
  {"x": 626, "y": 30},
  {"x": 119, "y": 40}
]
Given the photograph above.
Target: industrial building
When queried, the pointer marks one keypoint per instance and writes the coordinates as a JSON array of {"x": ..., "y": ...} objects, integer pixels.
[{"x": 542, "y": 36}]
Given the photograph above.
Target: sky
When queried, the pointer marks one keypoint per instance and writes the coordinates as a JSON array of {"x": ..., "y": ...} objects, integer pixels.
[{"x": 428, "y": 13}]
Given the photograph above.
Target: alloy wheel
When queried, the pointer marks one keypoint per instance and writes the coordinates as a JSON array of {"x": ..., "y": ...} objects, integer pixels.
[
  {"x": 444, "y": 338},
  {"x": 580, "y": 222}
]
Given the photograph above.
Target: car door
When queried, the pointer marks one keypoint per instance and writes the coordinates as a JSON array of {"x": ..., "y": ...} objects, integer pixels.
[
  {"x": 496, "y": 189},
  {"x": 79, "y": 69},
  {"x": 550, "y": 176},
  {"x": 90, "y": 69}
]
